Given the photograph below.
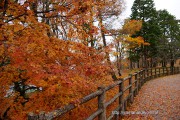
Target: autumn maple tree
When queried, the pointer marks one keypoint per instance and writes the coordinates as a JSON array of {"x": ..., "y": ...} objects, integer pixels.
[
  {"x": 52, "y": 53},
  {"x": 39, "y": 72},
  {"x": 125, "y": 44}
]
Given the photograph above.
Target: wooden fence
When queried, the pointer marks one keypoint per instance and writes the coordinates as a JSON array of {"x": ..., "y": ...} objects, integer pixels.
[{"x": 135, "y": 82}]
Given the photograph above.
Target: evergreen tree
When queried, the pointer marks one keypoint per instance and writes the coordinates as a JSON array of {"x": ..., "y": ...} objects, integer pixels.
[
  {"x": 145, "y": 10},
  {"x": 168, "y": 48}
]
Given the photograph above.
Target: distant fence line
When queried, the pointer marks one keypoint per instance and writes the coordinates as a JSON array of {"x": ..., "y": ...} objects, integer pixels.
[{"x": 135, "y": 82}]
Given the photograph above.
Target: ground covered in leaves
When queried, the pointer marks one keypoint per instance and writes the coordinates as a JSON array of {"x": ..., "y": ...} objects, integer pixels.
[{"x": 158, "y": 99}]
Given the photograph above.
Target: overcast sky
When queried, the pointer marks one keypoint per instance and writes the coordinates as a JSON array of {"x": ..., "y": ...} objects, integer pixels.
[{"x": 172, "y": 6}]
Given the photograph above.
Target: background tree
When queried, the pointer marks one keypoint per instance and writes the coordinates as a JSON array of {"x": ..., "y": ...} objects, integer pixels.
[
  {"x": 168, "y": 48},
  {"x": 126, "y": 45},
  {"x": 111, "y": 9},
  {"x": 144, "y": 10}
]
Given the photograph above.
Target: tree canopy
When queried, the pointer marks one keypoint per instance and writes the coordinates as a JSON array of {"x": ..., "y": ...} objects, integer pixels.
[
  {"x": 49, "y": 53},
  {"x": 156, "y": 29},
  {"x": 168, "y": 48}
]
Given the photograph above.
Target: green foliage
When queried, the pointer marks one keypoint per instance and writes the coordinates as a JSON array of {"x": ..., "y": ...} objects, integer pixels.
[
  {"x": 143, "y": 10},
  {"x": 159, "y": 28},
  {"x": 168, "y": 47}
]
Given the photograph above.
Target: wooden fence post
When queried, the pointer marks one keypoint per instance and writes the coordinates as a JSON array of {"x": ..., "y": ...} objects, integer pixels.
[
  {"x": 167, "y": 71},
  {"x": 174, "y": 70},
  {"x": 101, "y": 104},
  {"x": 151, "y": 74},
  {"x": 155, "y": 73},
  {"x": 136, "y": 84},
  {"x": 147, "y": 77},
  {"x": 171, "y": 69},
  {"x": 143, "y": 77},
  {"x": 163, "y": 71},
  {"x": 140, "y": 79},
  {"x": 121, "y": 97},
  {"x": 131, "y": 90}
]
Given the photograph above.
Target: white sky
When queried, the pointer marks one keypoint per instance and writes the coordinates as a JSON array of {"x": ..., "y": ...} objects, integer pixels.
[{"x": 172, "y": 6}]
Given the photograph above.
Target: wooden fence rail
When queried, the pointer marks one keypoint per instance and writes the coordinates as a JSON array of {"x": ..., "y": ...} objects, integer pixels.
[{"x": 135, "y": 82}]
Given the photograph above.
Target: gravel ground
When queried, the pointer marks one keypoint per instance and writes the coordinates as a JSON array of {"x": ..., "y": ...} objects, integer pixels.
[{"x": 158, "y": 99}]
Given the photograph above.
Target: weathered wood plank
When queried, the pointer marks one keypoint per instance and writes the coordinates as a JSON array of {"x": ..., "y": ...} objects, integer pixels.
[
  {"x": 95, "y": 114},
  {"x": 113, "y": 99},
  {"x": 101, "y": 104}
]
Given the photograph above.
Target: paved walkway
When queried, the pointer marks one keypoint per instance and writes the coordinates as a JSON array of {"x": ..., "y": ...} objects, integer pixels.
[{"x": 158, "y": 99}]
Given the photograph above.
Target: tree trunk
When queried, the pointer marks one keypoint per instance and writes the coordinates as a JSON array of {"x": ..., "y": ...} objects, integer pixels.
[{"x": 105, "y": 44}]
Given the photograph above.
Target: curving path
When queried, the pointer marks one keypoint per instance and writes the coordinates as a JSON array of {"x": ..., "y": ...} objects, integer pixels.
[{"x": 158, "y": 99}]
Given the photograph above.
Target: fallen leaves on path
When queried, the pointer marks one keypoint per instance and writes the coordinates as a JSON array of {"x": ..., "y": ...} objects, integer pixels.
[{"x": 158, "y": 99}]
